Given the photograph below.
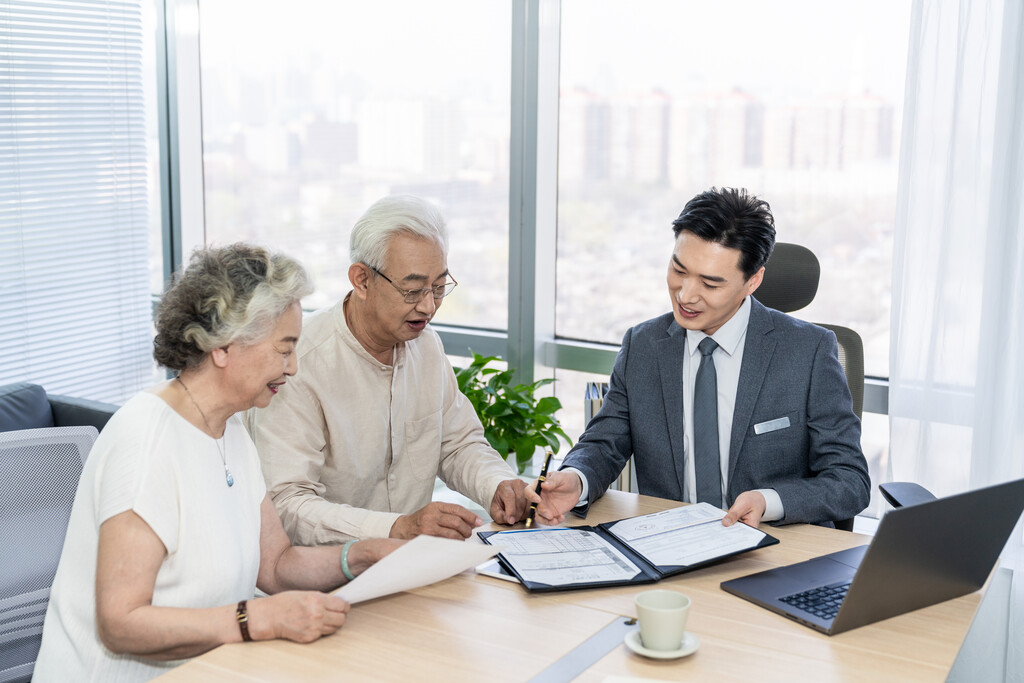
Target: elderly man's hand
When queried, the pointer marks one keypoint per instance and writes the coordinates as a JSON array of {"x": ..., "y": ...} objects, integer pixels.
[
  {"x": 748, "y": 508},
  {"x": 509, "y": 503},
  {"x": 447, "y": 520},
  {"x": 559, "y": 493}
]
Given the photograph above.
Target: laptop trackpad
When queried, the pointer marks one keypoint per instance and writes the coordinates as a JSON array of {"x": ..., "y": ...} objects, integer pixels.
[{"x": 851, "y": 557}]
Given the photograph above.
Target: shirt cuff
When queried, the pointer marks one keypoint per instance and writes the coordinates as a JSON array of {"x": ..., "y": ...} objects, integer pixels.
[
  {"x": 487, "y": 490},
  {"x": 773, "y": 510},
  {"x": 378, "y": 524},
  {"x": 583, "y": 479}
]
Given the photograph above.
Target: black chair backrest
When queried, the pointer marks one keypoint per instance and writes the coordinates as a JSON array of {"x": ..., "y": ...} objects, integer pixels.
[{"x": 790, "y": 278}]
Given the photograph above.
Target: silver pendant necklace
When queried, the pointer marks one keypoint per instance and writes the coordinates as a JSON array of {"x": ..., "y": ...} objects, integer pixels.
[{"x": 220, "y": 446}]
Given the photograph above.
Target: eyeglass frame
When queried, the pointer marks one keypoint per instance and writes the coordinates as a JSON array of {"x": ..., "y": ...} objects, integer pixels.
[{"x": 414, "y": 296}]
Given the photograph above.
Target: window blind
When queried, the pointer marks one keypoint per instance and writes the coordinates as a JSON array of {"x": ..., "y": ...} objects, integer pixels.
[{"x": 75, "y": 313}]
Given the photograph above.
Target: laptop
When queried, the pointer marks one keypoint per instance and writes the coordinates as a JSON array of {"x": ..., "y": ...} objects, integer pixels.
[{"x": 921, "y": 555}]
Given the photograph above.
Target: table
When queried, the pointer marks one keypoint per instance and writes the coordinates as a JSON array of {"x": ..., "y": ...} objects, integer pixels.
[{"x": 477, "y": 628}]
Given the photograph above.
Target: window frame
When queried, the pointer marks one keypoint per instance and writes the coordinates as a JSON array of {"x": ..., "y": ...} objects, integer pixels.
[{"x": 529, "y": 344}]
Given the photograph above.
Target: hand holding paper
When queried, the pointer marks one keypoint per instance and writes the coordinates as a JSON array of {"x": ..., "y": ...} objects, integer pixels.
[{"x": 420, "y": 562}]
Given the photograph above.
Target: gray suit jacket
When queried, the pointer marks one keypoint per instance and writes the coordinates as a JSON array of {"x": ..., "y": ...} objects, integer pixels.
[{"x": 790, "y": 368}]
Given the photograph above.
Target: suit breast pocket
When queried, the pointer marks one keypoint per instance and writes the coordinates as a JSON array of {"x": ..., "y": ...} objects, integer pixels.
[{"x": 423, "y": 445}]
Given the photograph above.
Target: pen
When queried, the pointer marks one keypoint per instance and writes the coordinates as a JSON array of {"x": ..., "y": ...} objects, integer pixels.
[{"x": 540, "y": 480}]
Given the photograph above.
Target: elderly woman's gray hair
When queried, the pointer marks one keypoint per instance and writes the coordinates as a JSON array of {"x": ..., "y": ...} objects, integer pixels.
[
  {"x": 227, "y": 295},
  {"x": 388, "y": 217}
]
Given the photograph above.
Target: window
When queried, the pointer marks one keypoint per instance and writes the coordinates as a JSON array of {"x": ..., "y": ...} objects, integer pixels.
[
  {"x": 314, "y": 111},
  {"x": 74, "y": 208},
  {"x": 661, "y": 100}
]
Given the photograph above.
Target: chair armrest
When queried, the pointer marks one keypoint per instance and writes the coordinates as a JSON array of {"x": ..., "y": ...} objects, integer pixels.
[
  {"x": 904, "y": 493},
  {"x": 69, "y": 411}
]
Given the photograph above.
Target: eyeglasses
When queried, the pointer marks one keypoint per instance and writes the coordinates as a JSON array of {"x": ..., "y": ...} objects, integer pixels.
[{"x": 414, "y": 296}]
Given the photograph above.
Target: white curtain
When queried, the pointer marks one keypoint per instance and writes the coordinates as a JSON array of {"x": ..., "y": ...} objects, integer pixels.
[{"x": 956, "y": 395}]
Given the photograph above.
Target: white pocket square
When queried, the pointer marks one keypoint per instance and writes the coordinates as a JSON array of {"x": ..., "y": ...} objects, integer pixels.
[{"x": 771, "y": 425}]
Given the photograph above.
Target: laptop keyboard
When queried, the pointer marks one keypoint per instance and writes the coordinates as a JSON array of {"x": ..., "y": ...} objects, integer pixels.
[{"x": 822, "y": 602}]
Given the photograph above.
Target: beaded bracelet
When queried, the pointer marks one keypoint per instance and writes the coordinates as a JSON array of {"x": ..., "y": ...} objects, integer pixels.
[{"x": 344, "y": 561}]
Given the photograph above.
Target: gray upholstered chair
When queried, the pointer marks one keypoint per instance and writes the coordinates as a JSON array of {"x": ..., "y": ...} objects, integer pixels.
[
  {"x": 39, "y": 472},
  {"x": 790, "y": 283},
  {"x": 27, "y": 406}
]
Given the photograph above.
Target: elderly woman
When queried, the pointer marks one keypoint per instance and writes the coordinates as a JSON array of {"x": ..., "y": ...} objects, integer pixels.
[{"x": 171, "y": 529}]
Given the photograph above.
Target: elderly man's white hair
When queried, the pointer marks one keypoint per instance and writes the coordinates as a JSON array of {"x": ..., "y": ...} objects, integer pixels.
[{"x": 391, "y": 216}]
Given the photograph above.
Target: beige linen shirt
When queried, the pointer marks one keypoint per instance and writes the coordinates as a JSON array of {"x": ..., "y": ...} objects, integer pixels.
[{"x": 350, "y": 444}]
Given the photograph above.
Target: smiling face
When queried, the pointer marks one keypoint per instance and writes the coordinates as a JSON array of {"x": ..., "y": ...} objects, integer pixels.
[
  {"x": 706, "y": 284},
  {"x": 412, "y": 263},
  {"x": 259, "y": 370}
]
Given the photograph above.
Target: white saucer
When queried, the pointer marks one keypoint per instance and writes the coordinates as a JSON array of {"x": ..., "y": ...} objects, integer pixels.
[{"x": 687, "y": 647}]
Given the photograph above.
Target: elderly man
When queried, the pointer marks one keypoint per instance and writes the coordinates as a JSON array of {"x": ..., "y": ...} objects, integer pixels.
[
  {"x": 352, "y": 446},
  {"x": 723, "y": 400}
]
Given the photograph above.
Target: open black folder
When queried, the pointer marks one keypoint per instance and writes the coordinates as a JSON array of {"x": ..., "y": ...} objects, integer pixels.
[{"x": 635, "y": 550}]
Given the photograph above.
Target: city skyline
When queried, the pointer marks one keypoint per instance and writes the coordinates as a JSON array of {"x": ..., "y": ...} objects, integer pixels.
[
  {"x": 454, "y": 151},
  {"x": 301, "y": 137}
]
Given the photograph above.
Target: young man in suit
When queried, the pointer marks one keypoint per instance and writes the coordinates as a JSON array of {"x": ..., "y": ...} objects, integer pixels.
[{"x": 723, "y": 400}]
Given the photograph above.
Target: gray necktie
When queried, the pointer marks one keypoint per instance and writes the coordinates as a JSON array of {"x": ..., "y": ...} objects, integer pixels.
[{"x": 707, "y": 460}]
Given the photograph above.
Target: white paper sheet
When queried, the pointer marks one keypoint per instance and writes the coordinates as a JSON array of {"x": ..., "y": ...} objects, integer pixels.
[
  {"x": 420, "y": 562},
  {"x": 559, "y": 556},
  {"x": 673, "y": 519},
  {"x": 686, "y": 535}
]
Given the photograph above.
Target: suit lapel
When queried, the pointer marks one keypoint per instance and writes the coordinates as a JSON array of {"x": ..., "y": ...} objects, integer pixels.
[
  {"x": 757, "y": 354},
  {"x": 670, "y": 351}
]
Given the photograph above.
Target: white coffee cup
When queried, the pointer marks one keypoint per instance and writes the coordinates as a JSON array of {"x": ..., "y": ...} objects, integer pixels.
[{"x": 662, "y": 615}]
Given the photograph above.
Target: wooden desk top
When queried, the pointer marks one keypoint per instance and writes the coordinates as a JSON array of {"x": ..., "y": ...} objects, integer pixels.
[{"x": 475, "y": 628}]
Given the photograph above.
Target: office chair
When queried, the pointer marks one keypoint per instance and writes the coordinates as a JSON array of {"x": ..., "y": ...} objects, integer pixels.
[
  {"x": 790, "y": 282},
  {"x": 39, "y": 472},
  {"x": 790, "y": 278},
  {"x": 851, "y": 357}
]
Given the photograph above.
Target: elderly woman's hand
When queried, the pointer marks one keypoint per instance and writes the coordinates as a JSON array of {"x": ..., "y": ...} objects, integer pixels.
[{"x": 301, "y": 616}]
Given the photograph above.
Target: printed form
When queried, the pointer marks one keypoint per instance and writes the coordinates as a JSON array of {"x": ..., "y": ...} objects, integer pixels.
[
  {"x": 685, "y": 535},
  {"x": 563, "y": 556}
]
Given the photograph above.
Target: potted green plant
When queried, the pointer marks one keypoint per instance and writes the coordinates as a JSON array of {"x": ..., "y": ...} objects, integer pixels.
[{"x": 514, "y": 420}]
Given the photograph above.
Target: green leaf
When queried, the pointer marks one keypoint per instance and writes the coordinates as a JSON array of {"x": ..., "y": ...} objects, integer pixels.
[
  {"x": 499, "y": 444},
  {"x": 550, "y": 440},
  {"x": 497, "y": 410},
  {"x": 524, "y": 448},
  {"x": 548, "y": 405},
  {"x": 522, "y": 462},
  {"x": 514, "y": 396}
]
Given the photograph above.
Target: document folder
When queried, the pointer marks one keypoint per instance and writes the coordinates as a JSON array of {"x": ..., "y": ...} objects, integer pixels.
[{"x": 635, "y": 550}]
